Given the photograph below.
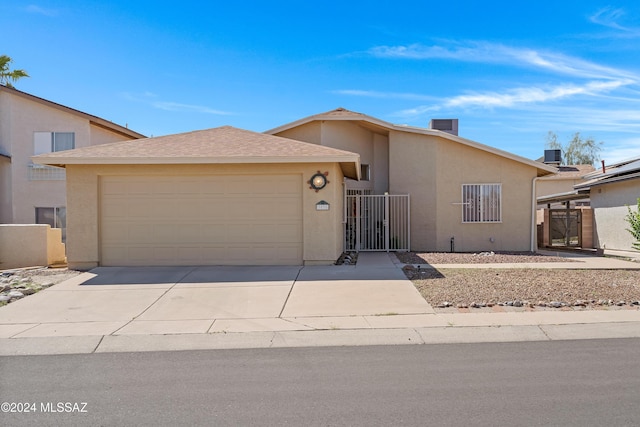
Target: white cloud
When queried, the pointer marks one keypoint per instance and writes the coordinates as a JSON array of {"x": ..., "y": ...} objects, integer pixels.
[
  {"x": 623, "y": 150},
  {"x": 150, "y": 98},
  {"x": 32, "y": 8},
  {"x": 383, "y": 95},
  {"x": 510, "y": 98},
  {"x": 176, "y": 106},
  {"x": 610, "y": 17},
  {"x": 485, "y": 52},
  {"x": 527, "y": 95}
]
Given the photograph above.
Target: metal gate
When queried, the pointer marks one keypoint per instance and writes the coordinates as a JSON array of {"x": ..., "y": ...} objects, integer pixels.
[{"x": 376, "y": 223}]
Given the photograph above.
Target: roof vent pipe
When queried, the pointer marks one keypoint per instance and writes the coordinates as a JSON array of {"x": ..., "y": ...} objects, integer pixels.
[{"x": 603, "y": 168}]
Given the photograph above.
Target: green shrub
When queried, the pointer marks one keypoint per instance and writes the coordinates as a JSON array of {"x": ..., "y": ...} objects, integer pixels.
[{"x": 633, "y": 218}]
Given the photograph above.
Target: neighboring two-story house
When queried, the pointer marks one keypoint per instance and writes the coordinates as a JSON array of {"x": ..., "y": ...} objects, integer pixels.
[{"x": 29, "y": 125}]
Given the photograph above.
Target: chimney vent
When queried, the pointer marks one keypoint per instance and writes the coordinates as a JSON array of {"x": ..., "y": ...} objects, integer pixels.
[{"x": 445, "y": 125}]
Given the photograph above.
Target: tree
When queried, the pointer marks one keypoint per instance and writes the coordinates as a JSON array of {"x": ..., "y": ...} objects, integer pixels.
[
  {"x": 7, "y": 76},
  {"x": 633, "y": 218},
  {"x": 577, "y": 151}
]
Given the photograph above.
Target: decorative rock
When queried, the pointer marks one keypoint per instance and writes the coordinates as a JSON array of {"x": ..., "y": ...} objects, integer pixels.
[
  {"x": 28, "y": 291},
  {"x": 620, "y": 303},
  {"x": 445, "y": 304},
  {"x": 517, "y": 303},
  {"x": 580, "y": 303},
  {"x": 4, "y": 298},
  {"x": 5, "y": 288},
  {"x": 46, "y": 285},
  {"x": 462, "y": 305},
  {"x": 635, "y": 303},
  {"x": 555, "y": 304},
  {"x": 542, "y": 304},
  {"x": 25, "y": 280},
  {"x": 16, "y": 294}
]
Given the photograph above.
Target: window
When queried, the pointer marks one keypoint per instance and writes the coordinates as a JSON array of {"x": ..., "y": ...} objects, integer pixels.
[
  {"x": 481, "y": 203},
  {"x": 55, "y": 217},
  {"x": 365, "y": 174},
  {"x": 49, "y": 142}
]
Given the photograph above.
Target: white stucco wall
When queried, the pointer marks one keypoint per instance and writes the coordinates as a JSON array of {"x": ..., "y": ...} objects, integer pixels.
[{"x": 609, "y": 203}]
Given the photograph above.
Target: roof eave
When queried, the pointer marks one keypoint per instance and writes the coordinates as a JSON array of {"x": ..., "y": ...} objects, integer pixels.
[
  {"x": 328, "y": 117},
  {"x": 350, "y": 164},
  {"x": 94, "y": 120},
  {"x": 542, "y": 169},
  {"x": 606, "y": 180}
]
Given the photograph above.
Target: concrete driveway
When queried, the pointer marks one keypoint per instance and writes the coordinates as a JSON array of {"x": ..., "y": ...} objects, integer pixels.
[{"x": 178, "y": 300}]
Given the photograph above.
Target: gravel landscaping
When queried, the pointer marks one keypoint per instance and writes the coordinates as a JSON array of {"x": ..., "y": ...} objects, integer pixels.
[
  {"x": 525, "y": 288},
  {"x": 476, "y": 258},
  {"x": 19, "y": 283}
]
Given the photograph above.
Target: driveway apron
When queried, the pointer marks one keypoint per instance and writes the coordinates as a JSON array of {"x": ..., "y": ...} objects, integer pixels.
[{"x": 161, "y": 300}]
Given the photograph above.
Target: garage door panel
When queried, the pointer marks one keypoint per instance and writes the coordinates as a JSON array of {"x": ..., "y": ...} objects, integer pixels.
[
  {"x": 210, "y": 220},
  {"x": 214, "y": 232}
]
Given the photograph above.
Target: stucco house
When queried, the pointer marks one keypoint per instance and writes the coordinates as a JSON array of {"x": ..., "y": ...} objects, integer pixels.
[
  {"x": 611, "y": 190},
  {"x": 32, "y": 193},
  {"x": 464, "y": 196},
  {"x": 298, "y": 194}
]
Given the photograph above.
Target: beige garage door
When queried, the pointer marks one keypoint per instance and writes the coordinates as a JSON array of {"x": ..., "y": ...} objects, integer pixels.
[{"x": 201, "y": 220}]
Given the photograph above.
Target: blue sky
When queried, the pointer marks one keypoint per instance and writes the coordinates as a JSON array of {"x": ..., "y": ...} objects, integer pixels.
[{"x": 510, "y": 71}]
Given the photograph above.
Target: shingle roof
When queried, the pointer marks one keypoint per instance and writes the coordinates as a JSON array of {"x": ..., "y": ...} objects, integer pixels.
[
  {"x": 570, "y": 172},
  {"x": 224, "y": 144}
]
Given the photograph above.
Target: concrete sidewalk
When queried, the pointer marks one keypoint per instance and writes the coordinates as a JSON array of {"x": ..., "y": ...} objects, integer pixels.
[{"x": 180, "y": 308}]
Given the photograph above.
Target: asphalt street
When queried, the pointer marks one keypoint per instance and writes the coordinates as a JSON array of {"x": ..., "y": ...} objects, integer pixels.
[{"x": 586, "y": 382}]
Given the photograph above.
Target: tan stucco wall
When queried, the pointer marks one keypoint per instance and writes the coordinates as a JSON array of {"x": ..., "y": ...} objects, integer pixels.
[
  {"x": 322, "y": 230},
  {"x": 609, "y": 203},
  {"x": 412, "y": 170},
  {"x": 310, "y": 132},
  {"x": 5, "y": 190},
  {"x": 20, "y": 118},
  {"x": 30, "y": 245},
  {"x": 433, "y": 171},
  {"x": 549, "y": 186},
  {"x": 373, "y": 148}
]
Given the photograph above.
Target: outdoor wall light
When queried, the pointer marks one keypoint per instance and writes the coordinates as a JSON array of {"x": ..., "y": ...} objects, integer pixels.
[{"x": 318, "y": 181}]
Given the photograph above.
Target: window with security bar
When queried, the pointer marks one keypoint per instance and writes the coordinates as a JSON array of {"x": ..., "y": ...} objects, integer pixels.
[{"x": 482, "y": 203}]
